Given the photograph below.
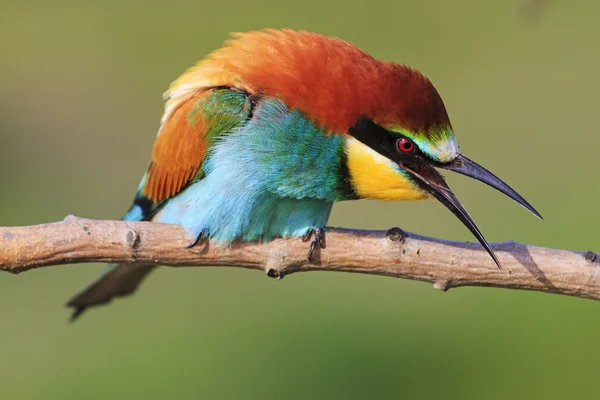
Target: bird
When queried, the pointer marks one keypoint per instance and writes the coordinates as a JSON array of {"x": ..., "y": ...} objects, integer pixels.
[{"x": 260, "y": 138}]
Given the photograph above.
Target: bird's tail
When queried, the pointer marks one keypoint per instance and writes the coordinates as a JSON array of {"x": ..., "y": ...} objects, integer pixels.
[{"x": 120, "y": 280}]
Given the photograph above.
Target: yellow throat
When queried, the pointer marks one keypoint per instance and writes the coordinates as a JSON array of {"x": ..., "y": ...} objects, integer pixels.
[{"x": 374, "y": 176}]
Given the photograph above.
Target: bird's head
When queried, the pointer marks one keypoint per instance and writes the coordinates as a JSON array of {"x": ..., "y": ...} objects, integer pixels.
[
  {"x": 396, "y": 128},
  {"x": 395, "y": 153}
]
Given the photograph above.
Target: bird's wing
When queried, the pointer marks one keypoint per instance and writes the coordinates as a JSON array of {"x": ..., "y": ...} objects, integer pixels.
[{"x": 183, "y": 142}]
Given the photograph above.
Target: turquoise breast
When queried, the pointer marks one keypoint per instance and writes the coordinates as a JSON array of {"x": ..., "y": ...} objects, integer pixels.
[{"x": 278, "y": 175}]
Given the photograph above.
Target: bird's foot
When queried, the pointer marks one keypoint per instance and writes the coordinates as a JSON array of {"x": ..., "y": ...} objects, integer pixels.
[
  {"x": 200, "y": 238},
  {"x": 316, "y": 237}
]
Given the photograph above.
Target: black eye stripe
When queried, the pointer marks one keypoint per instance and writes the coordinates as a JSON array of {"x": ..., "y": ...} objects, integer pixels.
[
  {"x": 369, "y": 133},
  {"x": 386, "y": 142}
]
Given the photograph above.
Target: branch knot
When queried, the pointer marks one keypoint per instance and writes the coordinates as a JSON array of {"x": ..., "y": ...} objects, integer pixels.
[
  {"x": 133, "y": 240},
  {"x": 395, "y": 234}
]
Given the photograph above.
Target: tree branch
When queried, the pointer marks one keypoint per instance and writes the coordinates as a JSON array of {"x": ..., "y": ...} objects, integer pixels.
[{"x": 393, "y": 253}]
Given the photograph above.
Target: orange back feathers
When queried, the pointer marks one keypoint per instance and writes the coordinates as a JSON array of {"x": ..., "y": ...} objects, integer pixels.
[{"x": 331, "y": 80}]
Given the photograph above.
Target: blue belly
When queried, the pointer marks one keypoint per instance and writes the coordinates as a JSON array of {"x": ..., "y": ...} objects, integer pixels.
[{"x": 213, "y": 210}]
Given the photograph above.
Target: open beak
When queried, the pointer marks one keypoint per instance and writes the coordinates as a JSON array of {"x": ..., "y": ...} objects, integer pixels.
[
  {"x": 463, "y": 165},
  {"x": 434, "y": 183}
]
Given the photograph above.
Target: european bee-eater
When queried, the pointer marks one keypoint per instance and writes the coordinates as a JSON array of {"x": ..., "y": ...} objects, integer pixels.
[{"x": 260, "y": 138}]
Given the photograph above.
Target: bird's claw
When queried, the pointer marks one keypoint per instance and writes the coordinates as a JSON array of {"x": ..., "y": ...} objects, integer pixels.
[
  {"x": 202, "y": 236},
  {"x": 316, "y": 237}
]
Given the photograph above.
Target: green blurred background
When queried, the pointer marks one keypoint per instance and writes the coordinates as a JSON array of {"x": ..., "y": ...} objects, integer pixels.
[{"x": 80, "y": 86}]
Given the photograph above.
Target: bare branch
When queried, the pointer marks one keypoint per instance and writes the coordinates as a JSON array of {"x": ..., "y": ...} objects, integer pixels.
[{"x": 393, "y": 253}]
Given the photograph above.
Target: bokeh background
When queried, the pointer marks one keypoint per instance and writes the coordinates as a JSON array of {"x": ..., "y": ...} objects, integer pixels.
[{"x": 80, "y": 86}]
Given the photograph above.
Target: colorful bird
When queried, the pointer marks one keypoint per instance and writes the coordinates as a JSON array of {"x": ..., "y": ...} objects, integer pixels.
[{"x": 260, "y": 138}]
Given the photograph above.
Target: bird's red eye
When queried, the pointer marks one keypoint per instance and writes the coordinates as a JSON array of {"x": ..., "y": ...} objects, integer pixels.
[{"x": 405, "y": 145}]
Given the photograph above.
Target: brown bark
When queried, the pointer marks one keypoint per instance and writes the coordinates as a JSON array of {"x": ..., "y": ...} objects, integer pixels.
[{"x": 393, "y": 253}]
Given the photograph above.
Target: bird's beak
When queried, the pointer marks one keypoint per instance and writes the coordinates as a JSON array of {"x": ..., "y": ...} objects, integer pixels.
[
  {"x": 434, "y": 183},
  {"x": 463, "y": 165}
]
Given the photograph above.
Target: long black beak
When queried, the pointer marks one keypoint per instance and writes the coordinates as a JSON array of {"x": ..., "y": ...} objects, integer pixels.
[
  {"x": 463, "y": 165},
  {"x": 430, "y": 180}
]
